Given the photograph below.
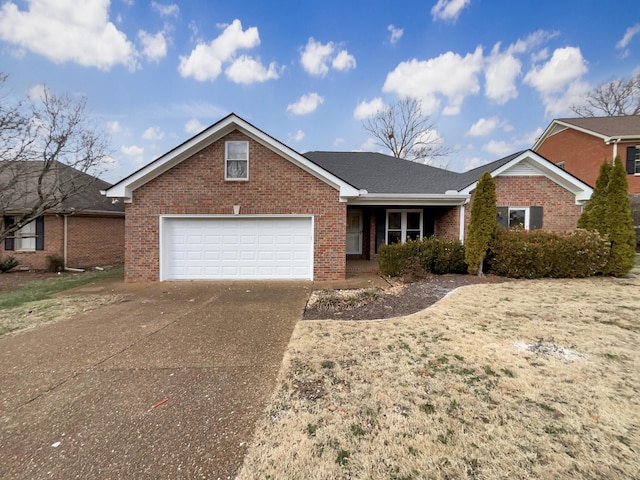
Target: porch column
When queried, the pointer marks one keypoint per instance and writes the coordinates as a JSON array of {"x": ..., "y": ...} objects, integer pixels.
[{"x": 461, "y": 235}]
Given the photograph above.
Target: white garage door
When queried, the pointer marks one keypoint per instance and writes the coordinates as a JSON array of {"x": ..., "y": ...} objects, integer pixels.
[{"x": 247, "y": 248}]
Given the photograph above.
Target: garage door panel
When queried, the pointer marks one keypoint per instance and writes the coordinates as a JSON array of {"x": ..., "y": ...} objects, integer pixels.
[{"x": 237, "y": 248}]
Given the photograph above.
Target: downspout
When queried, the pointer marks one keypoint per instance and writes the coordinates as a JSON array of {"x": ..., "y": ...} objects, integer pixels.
[
  {"x": 64, "y": 240},
  {"x": 461, "y": 234}
]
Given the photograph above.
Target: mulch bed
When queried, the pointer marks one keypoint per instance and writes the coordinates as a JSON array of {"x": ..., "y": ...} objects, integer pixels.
[{"x": 403, "y": 299}]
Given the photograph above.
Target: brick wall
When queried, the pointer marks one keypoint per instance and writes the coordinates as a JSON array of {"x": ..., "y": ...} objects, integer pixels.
[
  {"x": 94, "y": 241},
  {"x": 197, "y": 186},
  {"x": 91, "y": 241},
  {"x": 583, "y": 154},
  {"x": 448, "y": 224},
  {"x": 560, "y": 212}
]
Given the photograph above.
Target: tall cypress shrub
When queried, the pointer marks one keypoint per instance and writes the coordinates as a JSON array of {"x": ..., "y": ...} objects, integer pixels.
[
  {"x": 482, "y": 225},
  {"x": 619, "y": 223},
  {"x": 594, "y": 213}
]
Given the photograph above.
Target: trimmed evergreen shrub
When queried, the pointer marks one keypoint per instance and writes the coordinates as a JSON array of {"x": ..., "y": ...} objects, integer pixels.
[
  {"x": 482, "y": 225},
  {"x": 619, "y": 223},
  {"x": 539, "y": 254},
  {"x": 55, "y": 263},
  {"x": 593, "y": 215},
  {"x": 433, "y": 255}
]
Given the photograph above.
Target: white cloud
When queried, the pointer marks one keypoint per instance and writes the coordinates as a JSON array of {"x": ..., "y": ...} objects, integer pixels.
[
  {"x": 154, "y": 47},
  {"x": 68, "y": 31},
  {"x": 344, "y": 61},
  {"x": 483, "y": 127},
  {"x": 171, "y": 10},
  {"x": 626, "y": 39},
  {"x": 133, "y": 151},
  {"x": 153, "y": 133},
  {"x": 316, "y": 57},
  {"x": 501, "y": 72},
  {"x": 449, "y": 75},
  {"x": 396, "y": 34},
  {"x": 305, "y": 104},
  {"x": 473, "y": 162},
  {"x": 114, "y": 127},
  {"x": 248, "y": 70},
  {"x": 499, "y": 148},
  {"x": 368, "y": 109},
  {"x": 559, "y": 80},
  {"x": 371, "y": 145},
  {"x": 206, "y": 59},
  {"x": 37, "y": 92},
  {"x": 565, "y": 65},
  {"x": 193, "y": 126},
  {"x": 448, "y": 9},
  {"x": 540, "y": 56},
  {"x": 339, "y": 141},
  {"x": 297, "y": 137}
]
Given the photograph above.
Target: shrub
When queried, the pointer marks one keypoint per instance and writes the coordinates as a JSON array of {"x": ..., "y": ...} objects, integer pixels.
[
  {"x": 538, "y": 254},
  {"x": 7, "y": 264},
  {"x": 414, "y": 258},
  {"x": 482, "y": 225},
  {"x": 55, "y": 263}
]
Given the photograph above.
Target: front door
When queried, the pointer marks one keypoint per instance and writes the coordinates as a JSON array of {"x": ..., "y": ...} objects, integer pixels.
[{"x": 354, "y": 232}]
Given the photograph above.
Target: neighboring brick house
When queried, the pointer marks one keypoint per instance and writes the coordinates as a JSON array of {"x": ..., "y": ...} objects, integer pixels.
[
  {"x": 580, "y": 145},
  {"x": 234, "y": 203},
  {"x": 84, "y": 230}
]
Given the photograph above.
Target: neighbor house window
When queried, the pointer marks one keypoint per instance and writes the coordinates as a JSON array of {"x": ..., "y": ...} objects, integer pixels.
[
  {"x": 403, "y": 225},
  {"x": 236, "y": 164},
  {"x": 524, "y": 218},
  {"x": 29, "y": 238}
]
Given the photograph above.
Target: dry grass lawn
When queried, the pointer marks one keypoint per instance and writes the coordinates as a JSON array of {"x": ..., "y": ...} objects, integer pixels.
[{"x": 527, "y": 379}]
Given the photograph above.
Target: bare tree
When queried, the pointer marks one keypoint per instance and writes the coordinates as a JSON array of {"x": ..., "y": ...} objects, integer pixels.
[
  {"x": 49, "y": 152},
  {"x": 614, "y": 98},
  {"x": 407, "y": 133}
]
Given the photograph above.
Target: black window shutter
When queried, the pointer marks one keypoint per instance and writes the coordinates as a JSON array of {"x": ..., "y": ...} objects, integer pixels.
[
  {"x": 8, "y": 242},
  {"x": 535, "y": 218},
  {"x": 503, "y": 217},
  {"x": 40, "y": 233},
  {"x": 631, "y": 160},
  {"x": 428, "y": 224}
]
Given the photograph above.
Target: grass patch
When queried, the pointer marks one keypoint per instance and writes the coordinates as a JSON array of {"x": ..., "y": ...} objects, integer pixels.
[
  {"x": 44, "y": 289},
  {"x": 432, "y": 395}
]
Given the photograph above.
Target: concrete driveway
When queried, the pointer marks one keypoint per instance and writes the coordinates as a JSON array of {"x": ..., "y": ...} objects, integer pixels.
[{"x": 77, "y": 397}]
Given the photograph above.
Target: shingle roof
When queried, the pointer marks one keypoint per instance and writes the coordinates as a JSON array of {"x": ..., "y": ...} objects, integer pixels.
[
  {"x": 628, "y": 125},
  {"x": 18, "y": 184},
  {"x": 378, "y": 173}
]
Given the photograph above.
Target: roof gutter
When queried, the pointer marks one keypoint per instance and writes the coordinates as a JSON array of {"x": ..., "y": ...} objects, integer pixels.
[{"x": 439, "y": 199}]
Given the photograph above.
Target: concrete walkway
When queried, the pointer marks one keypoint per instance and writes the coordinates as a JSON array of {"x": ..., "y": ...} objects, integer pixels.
[{"x": 166, "y": 385}]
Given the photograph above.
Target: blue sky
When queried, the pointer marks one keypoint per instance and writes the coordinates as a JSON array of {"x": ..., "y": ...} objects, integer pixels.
[{"x": 491, "y": 74}]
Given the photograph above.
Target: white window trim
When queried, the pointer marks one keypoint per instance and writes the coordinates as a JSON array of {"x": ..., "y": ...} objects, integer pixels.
[
  {"x": 637, "y": 161},
  {"x": 526, "y": 215},
  {"x": 226, "y": 160},
  {"x": 403, "y": 223},
  {"x": 26, "y": 232}
]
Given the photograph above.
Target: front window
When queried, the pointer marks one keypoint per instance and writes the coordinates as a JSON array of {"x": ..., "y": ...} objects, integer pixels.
[
  {"x": 519, "y": 218},
  {"x": 637, "y": 161},
  {"x": 25, "y": 238},
  {"x": 403, "y": 225},
  {"x": 236, "y": 165}
]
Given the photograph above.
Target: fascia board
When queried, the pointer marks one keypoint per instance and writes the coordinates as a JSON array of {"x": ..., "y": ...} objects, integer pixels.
[{"x": 446, "y": 199}]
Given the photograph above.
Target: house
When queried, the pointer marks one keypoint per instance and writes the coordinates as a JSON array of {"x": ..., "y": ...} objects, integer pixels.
[
  {"x": 233, "y": 202},
  {"x": 580, "y": 145},
  {"x": 83, "y": 229}
]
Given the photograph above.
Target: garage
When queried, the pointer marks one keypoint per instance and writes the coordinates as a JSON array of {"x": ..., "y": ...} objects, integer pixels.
[{"x": 236, "y": 248}]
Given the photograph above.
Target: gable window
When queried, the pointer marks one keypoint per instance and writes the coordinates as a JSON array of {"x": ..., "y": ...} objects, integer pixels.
[
  {"x": 633, "y": 160},
  {"x": 29, "y": 238},
  {"x": 236, "y": 160},
  {"x": 524, "y": 218},
  {"x": 403, "y": 225}
]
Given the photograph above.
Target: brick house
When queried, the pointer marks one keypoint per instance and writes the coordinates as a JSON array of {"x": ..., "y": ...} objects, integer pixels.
[
  {"x": 580, "y": 145},
  {"x": 86, "y": 229},
  {"x": 234, "y": 203}
]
